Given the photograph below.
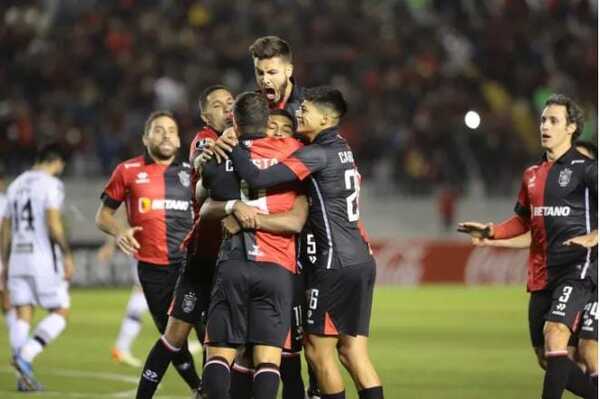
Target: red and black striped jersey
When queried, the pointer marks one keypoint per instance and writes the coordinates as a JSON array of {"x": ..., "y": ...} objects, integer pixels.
[
  {"x": 158, "y": 199},
  {"x": 557, "y": 201},
  {"x": 333, "y": 186},
  {"x": 224, "y": 184}
]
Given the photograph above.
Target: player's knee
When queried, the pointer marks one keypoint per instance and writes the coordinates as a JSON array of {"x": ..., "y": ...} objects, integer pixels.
[{"x": 556, "y": 336}]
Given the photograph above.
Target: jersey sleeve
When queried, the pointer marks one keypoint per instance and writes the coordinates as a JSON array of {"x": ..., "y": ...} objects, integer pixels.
[
  {"x": 3, "y": 207},
  {"x": 115, "y": 190},
  {"x": 208, "y": 173},
  {"x": 591, "y": 177},
  {"x": 55, "y": 196},
  {"x": 522, "y": 208},
  {"x": 296, "y": 167}
]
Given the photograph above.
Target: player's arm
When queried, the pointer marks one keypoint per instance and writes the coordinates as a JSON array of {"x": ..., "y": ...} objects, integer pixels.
[
  {"x": 290, "y": 222},
  {"x": 296, "y": 167},
  {"x": 5, "y": 241},
  {"x": 111, "y": 225},
  {"x": 56, "y": 229},
  {"x": 217, "y": 210},
  {"x": 518, "y": 242}
]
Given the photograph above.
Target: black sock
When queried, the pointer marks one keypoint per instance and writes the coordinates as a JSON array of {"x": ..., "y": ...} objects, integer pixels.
[
  {"x": 216, "y": 378},
  {"x": 266, "y": 381},
  {"x": 579, "y": 383},
  {"x": 339, "y": 395},
  {"x": 241, "y": 382},
  {"x": 313, "y": 385},
  {"x": 184, "y": 364},
  {"x": 371, "y": 393},
  {"x": 155, "y": 367},
  {"x": 291, "y": 377},
  {"x": 557, "y": 375}
]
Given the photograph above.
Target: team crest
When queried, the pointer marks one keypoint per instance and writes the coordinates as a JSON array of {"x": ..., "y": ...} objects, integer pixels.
[
  {"x": 189, "y": 302},
  {"x": 184, "y": 178},
  {"x": 564, "y": 177}
]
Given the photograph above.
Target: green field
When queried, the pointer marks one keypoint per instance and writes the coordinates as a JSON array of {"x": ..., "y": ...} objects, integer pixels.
[{"x": 427, "y": 342}]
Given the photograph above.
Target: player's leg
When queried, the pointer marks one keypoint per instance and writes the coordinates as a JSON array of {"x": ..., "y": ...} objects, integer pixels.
[
  {"x": 269, "y": 320},
  {"x": 226, "y": 326},
  {"x": 130, "y": 328},
  {"x": 313, "y": 391},
  {"x": 568, "y": 303},
  {"x": 588, "y": 342},
  {"x": 321, "y": 352},
  {"x": 10, "y": 313},
  {"x": 22, "y": 297},
  {"x": 354, "y": 355},
  {"x": 291, "y": 375},
  {"x": 158, "y": 287}
]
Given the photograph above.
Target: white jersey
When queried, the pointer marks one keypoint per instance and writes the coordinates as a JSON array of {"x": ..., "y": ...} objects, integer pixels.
[
  {"x": 32, "y": 251},
  {"x": 2, "y": 213}
]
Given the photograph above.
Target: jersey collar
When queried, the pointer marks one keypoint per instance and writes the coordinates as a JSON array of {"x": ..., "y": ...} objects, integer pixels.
[
  {"x": 295, "y": 96},
  {"x": 567, "y": 157},
  {"x": 327, "y": 135}
]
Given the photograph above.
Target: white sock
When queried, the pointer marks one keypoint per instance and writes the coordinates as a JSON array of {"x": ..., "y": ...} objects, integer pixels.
[
  {"x": 131, "y": 324},
  {"x": 18, "y": 335},
  {"x": 10, "y": 318},
  {"x": 46, "y": 331}
]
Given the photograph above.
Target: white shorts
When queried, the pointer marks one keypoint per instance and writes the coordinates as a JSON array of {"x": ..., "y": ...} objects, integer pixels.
[
  {"x": 27, "y": 290},
  {"x": 133, "y": 267}
]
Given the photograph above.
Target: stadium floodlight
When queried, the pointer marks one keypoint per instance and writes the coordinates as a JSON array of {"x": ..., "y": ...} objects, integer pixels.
[{"x": 472, "y": 120}]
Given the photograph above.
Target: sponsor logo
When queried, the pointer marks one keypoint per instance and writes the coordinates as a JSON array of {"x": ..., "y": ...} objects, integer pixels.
[
  {"x": 150, "y": 375},
  {"x": 147, "y": 205},
  {"x": 132, "y": 165},
  {"x": 255, "y": 251},
  {"x": 184, "y": 178},
  {"x": 577, "y": 161},
  {"x": 564, "y": 177},
  {"x": 189, "y": 302},
  {"x": 142, "y": 178},
  {"x": 551, "y": 211}
]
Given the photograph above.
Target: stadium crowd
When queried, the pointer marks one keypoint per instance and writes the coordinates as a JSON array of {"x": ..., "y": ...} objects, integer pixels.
[{"x": 88, "y": 72}]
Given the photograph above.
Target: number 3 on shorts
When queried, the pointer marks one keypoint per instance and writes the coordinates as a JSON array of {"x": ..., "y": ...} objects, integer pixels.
[{"x": 564, "y": 298}]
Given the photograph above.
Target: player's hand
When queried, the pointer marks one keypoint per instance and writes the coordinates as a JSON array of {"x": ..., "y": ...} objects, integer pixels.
[
  {"x": 127, "y": 242},
  {"x": 476, "y": 230},
  {"x": 202, "y": 159},
  {"x": 246, "y": 215},
  {"x": 231, "y": 225},
  {"x": 105, "y": 252},
  {"x": 69, "y": 266},
  {"x": 482, "y": 242},
  {"x": 587, "y": 241},
  {"x": 225, "y": 144}
]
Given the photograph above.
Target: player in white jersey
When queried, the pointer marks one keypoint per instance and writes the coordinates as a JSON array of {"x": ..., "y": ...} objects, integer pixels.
[
  {"x": 10, "y": 316},
  {"x": 37, "y": 258}
]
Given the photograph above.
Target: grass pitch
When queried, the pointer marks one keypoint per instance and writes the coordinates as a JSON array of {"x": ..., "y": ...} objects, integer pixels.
[{"x": 426, "y": 342}]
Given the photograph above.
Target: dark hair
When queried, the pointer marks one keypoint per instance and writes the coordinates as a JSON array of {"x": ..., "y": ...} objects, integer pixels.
[
  {"x": 574, "y": 112},
  {"x": 283, "y": 112},
  {"x": 591, "y": 147},
  {"x": 251, "y": 112},
  {"x": 206, "y": 92},
  {"x": 269, "y": 47},
  {"x": 51, "y": 152},
  {"x": 327, "y": 97},
  {"x": 155, "y": 115}
]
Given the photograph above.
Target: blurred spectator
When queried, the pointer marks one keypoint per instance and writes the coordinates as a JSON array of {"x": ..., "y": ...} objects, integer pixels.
[{"x": 87, "y": 71}]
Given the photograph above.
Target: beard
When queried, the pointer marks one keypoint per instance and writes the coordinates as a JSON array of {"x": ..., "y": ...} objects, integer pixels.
[
  {"x": 279, "y": 93},
  {"x": 161, "y": 153}
]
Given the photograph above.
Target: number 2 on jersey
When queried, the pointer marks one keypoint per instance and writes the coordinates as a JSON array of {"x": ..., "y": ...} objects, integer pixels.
[
  {"x": 25, "y": 214},
  {"x": 352, "y": 180}
]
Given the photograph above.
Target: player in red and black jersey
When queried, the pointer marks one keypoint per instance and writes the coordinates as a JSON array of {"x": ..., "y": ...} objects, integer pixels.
[
  {"x": 192, "y": 292},
  {"x": 341, "y": 283},
  {"x": 557, "y": 203},
  {"x": 251, "y": 300},
  {"x": 156, "y": 189}
]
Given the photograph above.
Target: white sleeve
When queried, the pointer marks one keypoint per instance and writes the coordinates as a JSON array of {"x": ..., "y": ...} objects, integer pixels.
[
  {"x": 55, "y": 195},
  {"x": 3, "y": 209}
]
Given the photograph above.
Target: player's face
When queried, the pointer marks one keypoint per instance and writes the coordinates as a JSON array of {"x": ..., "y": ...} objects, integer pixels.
[
  {"x": 310, "y": 118},
  {"x": 162, "y": 140},
  {"x": 554, "y": 128},
  {"x": 59, "y": 167},
  {"x": 219, "y": 105},
  {"x": 272, "y": 77},
  {"x": 279, "y": 127}
]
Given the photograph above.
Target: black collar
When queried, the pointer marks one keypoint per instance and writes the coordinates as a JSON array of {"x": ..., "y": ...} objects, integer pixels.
[
  {"x": 567, "y": 157},
  {"x": 327, "y": 135}
]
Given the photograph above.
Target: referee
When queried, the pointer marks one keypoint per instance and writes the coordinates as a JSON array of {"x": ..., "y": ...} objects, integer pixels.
[{"x": 158, "y": 195}]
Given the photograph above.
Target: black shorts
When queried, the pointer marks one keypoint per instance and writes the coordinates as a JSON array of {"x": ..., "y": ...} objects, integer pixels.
[
  {"x": 250, "y": 304},
  {"x": 589, "y": 322},
  {"x": 295, "y": 338},
  {"x": 158, "y": 283},
  {"x": 340, "y": 300},
  {"x": 563, "y": 304},
  {"x": 192, "y": 292}
]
